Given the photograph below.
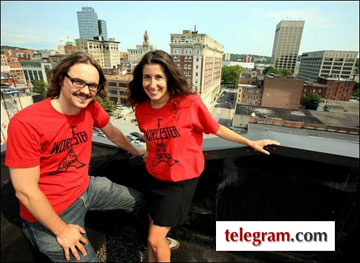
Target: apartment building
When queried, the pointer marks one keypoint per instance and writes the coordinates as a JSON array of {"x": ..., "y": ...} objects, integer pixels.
[
  {"x": 199, "y": 57},
  {"x": 327, "y": 63},
  {"x": 286, "y": 44},
  {"x": 105, "y": 52}
]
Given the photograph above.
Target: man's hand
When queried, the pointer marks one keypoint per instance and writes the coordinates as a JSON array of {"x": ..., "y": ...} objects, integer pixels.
[
  {"x": 259, "y": 145},
  {"x": 70, "y": 238}
]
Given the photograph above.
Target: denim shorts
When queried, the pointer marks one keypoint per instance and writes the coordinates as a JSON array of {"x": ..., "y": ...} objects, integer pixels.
[{"x": 102, "y": 194}]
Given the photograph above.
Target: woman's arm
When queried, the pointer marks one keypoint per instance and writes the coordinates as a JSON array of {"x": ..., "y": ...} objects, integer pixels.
[{"x": 232, "y": 136}]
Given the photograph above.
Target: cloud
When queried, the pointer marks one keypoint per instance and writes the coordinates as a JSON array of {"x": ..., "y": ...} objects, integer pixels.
[
  {"x": 27, "y": 39},
  {"x": 310, "y": 15}
]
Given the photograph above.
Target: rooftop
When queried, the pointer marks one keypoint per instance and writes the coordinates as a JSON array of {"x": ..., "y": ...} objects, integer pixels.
[
  {"x": 304, "y": 179},
  {"x": 276, "y": 113}
]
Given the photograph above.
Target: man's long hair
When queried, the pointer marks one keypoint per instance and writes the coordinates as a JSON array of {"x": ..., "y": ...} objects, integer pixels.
[{"x": 57, "y": 74}]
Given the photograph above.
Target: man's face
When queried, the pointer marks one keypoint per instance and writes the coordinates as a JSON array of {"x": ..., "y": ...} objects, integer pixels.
[{"x": 74, "y": 97}]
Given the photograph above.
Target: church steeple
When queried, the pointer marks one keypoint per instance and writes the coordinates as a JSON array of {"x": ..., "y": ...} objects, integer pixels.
[
  {"x": 146, "y": 43},
  {"x": 146, "y": 37}
]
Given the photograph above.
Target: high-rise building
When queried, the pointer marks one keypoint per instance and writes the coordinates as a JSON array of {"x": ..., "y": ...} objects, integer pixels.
[
  {"x": 106, "y": 53},
  {"x": 88, "y": 23},
  {"x": 199, "y": 57},
  {"x": 227, "y": 57},
  {"x": 286, "y": 44},
  {"x": 102, "y": 29},
  {"x": 248, "y": 58},
  {"x": 327, "y": 63},
  {"x": 135, "y": 55}
]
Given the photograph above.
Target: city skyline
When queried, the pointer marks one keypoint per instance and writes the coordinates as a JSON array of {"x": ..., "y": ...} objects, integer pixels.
[{"x": 241, "y": 27}]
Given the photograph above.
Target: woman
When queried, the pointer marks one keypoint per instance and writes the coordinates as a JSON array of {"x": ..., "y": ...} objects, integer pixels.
[{"x": 173, "y": 120}]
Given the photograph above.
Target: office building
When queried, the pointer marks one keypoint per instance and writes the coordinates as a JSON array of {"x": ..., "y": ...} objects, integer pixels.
[
  {"x": 199, "y": 57},
  {"x": 88, "y": 23},
  {"x": 102, "y": 29},
  {"x": 327, "y": 63},
  {"x": 286, "y": 44},
  {"x": 106, "y": 53}
]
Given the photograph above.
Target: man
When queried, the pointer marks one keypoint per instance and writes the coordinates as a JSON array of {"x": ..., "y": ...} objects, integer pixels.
[{"x": 48, "y": 153}]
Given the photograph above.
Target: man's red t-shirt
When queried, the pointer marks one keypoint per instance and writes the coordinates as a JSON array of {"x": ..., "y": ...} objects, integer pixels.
[
  {"x": 175, "y": 136},
  {"x": 60, "y": 144}
]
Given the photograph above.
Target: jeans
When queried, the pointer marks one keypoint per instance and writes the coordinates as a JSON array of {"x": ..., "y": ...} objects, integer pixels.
[{"x": 102, "y": 194}]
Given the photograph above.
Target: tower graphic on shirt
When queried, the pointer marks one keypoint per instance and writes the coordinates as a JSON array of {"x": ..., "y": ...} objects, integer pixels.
[
  {"x": 71, "y": 160},
  {"x": 161, "y": 154}
]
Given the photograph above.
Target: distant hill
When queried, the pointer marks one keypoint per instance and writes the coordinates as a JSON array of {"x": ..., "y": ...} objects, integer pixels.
[
  {"x": 10, "y": 47},
  {"x": 240, "y": 57}
]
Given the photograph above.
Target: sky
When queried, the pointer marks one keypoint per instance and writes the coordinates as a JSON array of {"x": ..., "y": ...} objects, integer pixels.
[{"x": 242, "y": 27}]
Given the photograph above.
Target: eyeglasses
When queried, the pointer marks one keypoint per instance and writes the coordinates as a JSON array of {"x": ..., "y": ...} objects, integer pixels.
[{"x": 79, "y": 83}]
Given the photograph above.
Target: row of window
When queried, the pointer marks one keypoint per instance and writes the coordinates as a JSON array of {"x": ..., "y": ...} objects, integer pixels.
[
  {"x": 186, "y": 51},
  {"x": 33, "y": 74}
]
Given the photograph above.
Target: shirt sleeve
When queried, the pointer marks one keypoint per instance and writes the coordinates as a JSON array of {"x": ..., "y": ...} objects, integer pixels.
[
  {"x": 23, "y": 146},
  {"x": 202, "y": 119},
  {"x": 101, "y": 118}
]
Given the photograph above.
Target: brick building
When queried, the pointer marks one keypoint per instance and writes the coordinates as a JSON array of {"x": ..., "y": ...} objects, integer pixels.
[
  {"x": 55, "y": 59},
  {"x": 17, "y": 73},
  {"x": 337, "y": 89},
  {"x": 249, "y": 94},
  {"x": 17, "y": 55},
  {"x": 118, "y": 88},
  {"x": 282, "y": 92},
  {"x": 315, "y": 88},
  {"x": 70, "y": 48}
]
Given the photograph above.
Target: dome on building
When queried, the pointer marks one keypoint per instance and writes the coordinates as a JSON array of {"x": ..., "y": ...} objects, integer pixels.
[{"x": 70, "y": 43}]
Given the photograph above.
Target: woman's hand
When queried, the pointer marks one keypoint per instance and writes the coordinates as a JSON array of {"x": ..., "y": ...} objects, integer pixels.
[
  {"x": 145, "y": 156},
  {"x": 260, "y": 144}
]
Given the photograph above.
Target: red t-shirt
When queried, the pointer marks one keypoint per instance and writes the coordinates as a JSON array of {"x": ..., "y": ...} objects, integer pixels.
[
  {"x": 175, "y": 136},
  {"x": 60, "y": 144}
]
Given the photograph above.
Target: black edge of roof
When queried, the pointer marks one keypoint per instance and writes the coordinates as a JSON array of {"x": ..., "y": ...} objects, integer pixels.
[{"x": 326, "y": 150}]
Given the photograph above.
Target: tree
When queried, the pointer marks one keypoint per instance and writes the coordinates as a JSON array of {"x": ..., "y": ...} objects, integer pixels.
[
  {"x": 285, "y": 72},
  {"x": 269, "y": 70},
  {"x": 282, "y": 72},
  {"x": 39, "y": 87},
  {"x": 231, "y": 74},
  {"x": 311, "y": 101},
  {"x": 106, "y": 103}
]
